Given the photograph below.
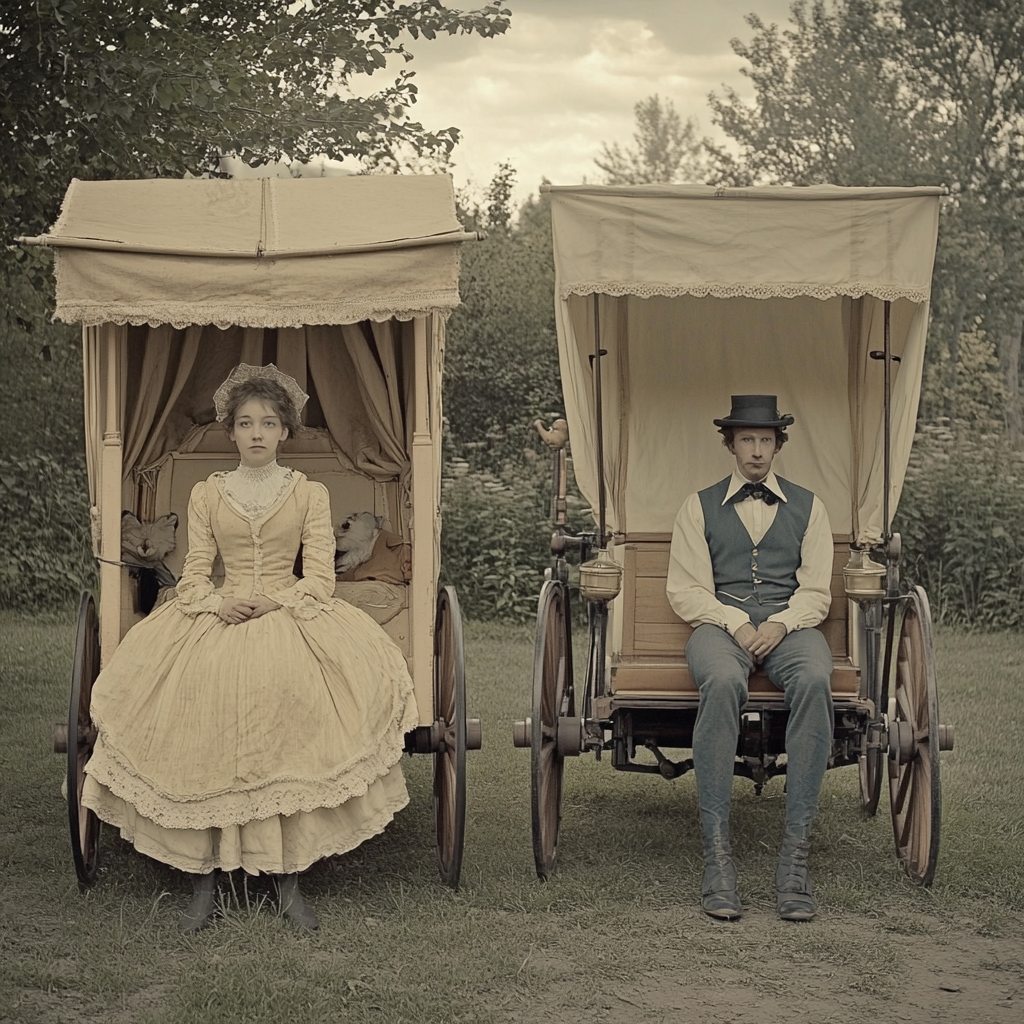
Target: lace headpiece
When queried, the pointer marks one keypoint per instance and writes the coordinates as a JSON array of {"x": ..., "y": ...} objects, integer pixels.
[{"x": 243, "y": 372}]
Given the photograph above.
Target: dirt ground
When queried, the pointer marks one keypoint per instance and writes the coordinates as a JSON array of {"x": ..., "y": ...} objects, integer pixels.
[{"x": 954, "y": 976}]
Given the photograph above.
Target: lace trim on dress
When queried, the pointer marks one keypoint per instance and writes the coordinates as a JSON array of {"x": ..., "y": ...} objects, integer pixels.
[
  {"x": 281, "y": 795},
  {"x": 648, "y": 290},
  {"x": 251, "y": 491}
]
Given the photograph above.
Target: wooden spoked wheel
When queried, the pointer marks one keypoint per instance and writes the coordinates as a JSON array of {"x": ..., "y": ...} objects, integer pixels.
[
  {"x": 552, "y": 696},
  {"x": 450, "y": 755},
  {"x": 914, "y": 790},
  {"x": 81, "y": 738},
  {"x": 872, "y": 764},
  {"x": 871, "y": 771}
]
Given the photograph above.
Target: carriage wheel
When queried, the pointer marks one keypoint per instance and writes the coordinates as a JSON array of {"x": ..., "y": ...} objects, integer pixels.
[
  {"x": 914, "y": 743},
  {"x": 450, "y": 756},
  {"x": 552, "y": 696},
  {"x": 870, "y": 780},
  {"x": 81, "y": 738}
]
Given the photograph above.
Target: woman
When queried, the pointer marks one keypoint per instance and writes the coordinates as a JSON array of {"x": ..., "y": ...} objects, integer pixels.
[{"x": 258, "y": 725}]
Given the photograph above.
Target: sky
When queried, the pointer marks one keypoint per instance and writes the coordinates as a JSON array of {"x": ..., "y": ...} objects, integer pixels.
[{"x": 567, "y": 74}]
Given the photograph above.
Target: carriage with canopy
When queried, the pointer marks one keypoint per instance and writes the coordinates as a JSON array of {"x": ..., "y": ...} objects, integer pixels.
[
  {"x": 668, "y": 300},
  {"x": 345, "y": 283}
]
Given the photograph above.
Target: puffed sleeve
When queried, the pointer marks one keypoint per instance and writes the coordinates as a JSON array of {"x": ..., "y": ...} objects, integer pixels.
[
  {"x": 195, "y": 590},
  {"x": 305, "y": 597}
]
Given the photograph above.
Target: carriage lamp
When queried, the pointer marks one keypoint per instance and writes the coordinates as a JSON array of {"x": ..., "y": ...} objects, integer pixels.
[
  {"x": 862, "y": 576},
  {"x": 601, "y": 577}
]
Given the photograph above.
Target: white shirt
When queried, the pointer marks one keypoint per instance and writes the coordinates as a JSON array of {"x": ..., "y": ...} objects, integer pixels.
[{"x": 691, "y": 581}]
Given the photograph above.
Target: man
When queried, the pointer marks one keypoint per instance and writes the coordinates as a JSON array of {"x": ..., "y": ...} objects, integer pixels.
[{"x": 750, "y": 568}]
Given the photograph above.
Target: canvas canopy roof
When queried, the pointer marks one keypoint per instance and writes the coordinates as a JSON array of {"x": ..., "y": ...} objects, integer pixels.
[
  {"x": 705, "y": 293},
  {"x": 262, "y": 252}
]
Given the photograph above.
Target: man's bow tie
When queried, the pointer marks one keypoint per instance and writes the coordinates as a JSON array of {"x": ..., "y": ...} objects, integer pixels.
[{"x": 758, "y": 491}]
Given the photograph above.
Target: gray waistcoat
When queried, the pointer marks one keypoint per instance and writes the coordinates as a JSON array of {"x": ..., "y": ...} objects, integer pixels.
[{"x": 759, "y": 579}]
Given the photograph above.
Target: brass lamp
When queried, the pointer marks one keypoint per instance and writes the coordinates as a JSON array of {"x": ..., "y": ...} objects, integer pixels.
[
  {"x": 601, "y": 577},
  {"x": 862, "y": 576}
]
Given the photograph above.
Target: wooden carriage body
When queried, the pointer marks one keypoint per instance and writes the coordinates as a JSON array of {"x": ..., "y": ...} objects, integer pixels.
[
  {"x": 670, "y": 299},
  {"x": 346, "y": 284}
]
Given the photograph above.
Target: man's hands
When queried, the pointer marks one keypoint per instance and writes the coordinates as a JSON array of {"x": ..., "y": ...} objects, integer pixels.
[
  {"x": 236, "y": 611},
  {"x": 760, "y": 642}
]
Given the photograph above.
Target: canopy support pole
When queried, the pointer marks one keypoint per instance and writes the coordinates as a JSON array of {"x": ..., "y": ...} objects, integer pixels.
[
  {"x": 887, "y": 426},
  {"x": 421, "y": 586},
  {"x": 110, "y": 502},
  {"x": 602, "y": 538}
]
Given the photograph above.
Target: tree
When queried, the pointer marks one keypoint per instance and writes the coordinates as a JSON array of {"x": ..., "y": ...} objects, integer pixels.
[
  {"x": 141, "y": 88},
  {"x": 904, "y": 92},
  {"x": 664, "y": 149},
  {"x": 501, "y": 358}
]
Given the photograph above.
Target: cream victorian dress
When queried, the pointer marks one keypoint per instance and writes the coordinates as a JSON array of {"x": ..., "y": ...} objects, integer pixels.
[{"x": 265, "y": 745}]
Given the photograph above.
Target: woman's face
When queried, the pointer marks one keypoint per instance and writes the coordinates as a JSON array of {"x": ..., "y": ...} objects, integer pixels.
[{"x": 257, "y": 431}]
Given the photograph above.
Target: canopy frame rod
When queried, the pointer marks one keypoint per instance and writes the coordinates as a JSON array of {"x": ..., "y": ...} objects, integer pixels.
[
  {"x": 887, "y": 425},
  {"x": 596, "y": 360}
]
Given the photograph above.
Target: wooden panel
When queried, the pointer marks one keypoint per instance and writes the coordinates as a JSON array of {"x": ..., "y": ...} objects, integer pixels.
[
  {"x": 661, "y": 637},
  {"x": 676, "y": 678},
  {"x": 628, "y": 598},
  {"x": 652, "y": 562}
]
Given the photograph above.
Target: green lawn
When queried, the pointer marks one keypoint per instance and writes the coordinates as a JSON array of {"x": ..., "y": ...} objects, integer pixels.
[{"x": 395, "y": 945}]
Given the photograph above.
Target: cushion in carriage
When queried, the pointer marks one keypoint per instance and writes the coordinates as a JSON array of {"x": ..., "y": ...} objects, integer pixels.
[{"x": 652, "y": 661}]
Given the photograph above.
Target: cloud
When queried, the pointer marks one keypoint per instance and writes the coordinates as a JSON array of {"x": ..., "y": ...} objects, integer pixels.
[{"x": 566, "y": 76}]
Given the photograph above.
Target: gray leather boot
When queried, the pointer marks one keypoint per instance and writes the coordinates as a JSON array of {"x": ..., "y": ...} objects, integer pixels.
[
  {"x": 794, "y": 891},
  {"x": 293, "y": 907},
  {"x": 718, "y": 895},
  {"x": 199, "y": 913}
]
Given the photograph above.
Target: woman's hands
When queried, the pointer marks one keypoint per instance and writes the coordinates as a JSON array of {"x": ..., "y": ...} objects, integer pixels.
[{"x": 235, "y": 611}]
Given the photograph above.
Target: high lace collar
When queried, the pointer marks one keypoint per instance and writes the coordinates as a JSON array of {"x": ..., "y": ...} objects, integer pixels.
[
  {"x": 253, "y": 490},
  {"x": 259, "y": 474}
]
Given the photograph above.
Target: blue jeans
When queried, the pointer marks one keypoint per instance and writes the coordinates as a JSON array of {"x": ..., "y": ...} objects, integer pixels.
[{"x": 800, "y": 666}]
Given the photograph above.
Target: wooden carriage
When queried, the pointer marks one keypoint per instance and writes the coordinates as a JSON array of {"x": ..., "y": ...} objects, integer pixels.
[
  {"x": 670, "y": 299},
  {"x": 345, "y": 283}
]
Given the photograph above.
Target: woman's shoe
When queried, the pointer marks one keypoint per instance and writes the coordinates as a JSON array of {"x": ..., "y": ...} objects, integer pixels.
[
  {"x": 199, "y": 912},
  {"x": 293, "y": 907}
]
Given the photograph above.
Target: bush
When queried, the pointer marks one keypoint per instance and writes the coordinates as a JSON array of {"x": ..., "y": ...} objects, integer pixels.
[
  {"x": 496, "y": 541},
  {"x": 46, "y": 558},
  {"x": 962, "y": 521}
]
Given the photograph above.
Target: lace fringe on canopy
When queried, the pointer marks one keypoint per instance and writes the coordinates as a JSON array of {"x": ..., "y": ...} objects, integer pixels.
[
  {"x": 181, "y": 315},
  {"x": 645, "y": 290}
]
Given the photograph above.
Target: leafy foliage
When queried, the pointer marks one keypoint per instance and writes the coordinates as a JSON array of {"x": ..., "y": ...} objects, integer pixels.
[
  {"x": 664, "y": 149},
  {"x": 141, "y": 88},
  {"x": 960, "y": 516},
  {"x": 904, "y": 92},
  {"x": 496, "y": 542},
  {"x": 46, "y": 557},
  {"x": 501, "y": 357}
]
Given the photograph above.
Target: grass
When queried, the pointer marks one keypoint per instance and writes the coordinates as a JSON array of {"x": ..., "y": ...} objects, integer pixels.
[{"x": 396, "y": 946}]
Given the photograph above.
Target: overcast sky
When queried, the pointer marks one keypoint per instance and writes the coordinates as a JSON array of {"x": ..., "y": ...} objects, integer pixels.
[{"x": 566, "y": 75}]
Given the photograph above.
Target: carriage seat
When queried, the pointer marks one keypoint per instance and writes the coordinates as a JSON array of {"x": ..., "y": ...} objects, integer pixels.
[{"x": 652, "y": 660}]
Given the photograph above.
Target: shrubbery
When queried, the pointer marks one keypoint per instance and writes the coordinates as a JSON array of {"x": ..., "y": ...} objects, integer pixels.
[
  {"x": 962, "y": 522},
  {"x": 46, "y": 556},
  {"x": 496, "y": 542}
]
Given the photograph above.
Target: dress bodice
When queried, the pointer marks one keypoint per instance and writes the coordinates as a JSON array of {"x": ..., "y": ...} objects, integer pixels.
[{"x": 259, "y": 552}]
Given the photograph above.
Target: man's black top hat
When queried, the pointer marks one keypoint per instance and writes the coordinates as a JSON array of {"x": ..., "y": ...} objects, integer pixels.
[{"x": 754, "y": 411}]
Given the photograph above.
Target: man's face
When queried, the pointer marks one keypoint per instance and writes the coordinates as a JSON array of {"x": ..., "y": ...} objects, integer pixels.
[{"x": 754, "y": 448}]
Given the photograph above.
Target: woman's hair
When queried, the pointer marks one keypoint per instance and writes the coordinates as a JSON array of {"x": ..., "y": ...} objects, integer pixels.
[
  {"x": 781, "y": 437},
  {"x": 263, "y": 389}
]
